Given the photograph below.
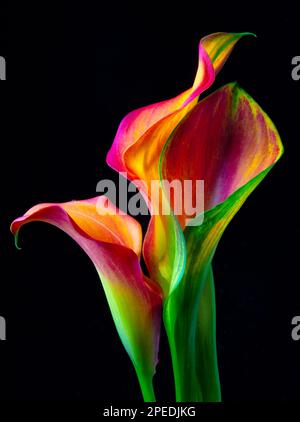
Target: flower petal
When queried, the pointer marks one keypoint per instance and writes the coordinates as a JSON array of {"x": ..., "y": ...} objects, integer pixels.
[
  {"x": 227, "y": 140},
  {"x": 113, "y": 243}
]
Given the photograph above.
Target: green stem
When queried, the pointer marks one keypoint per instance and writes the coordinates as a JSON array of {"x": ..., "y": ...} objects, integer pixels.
[
  {"x": 146, "y": 385},
  {"x": 191, "y": 327}
]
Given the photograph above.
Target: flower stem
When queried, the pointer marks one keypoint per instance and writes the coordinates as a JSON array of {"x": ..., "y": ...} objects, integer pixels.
[
  {"x": 146, "y": 385},
  {"x": 191, "y": 327}
]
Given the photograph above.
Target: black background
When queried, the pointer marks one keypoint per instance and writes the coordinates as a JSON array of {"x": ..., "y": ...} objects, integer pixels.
[{"x": 72, "y": 73}]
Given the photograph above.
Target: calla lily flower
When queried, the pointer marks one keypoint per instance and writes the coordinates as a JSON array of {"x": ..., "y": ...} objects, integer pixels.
[
  {"x": 230, "y": 143},
  {"x": 227, "y": 141},
  {"x": 113, "y": 242},
  {"x": 137, "y": 149}
]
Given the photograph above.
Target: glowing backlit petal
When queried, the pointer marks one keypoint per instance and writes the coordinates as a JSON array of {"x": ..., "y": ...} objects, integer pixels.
[
  {"x": 113, "y": 243},
  {"x": 230, "y": 142}
]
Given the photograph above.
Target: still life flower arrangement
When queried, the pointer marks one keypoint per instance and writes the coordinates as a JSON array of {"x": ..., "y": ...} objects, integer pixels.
[{"x": 224, "y": 139}]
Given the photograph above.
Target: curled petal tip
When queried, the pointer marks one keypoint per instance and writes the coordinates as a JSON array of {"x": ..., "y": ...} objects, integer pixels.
[
  {"x": 14, "y": 228},
  {"x": 16, "y": 237},
  {"x": 17, "y": 241}
]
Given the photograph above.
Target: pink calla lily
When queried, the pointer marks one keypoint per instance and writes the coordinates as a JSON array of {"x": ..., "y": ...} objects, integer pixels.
[{"x": 113, "y": 242}]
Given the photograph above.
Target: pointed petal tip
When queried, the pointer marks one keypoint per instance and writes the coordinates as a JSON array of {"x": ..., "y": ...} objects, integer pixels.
[
  {"x": 245, "y": 34},
  {"x": 234, "y": 85}
]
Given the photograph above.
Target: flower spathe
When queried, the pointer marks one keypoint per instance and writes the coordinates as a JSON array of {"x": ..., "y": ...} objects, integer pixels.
[{"x": 113, "y": 243}]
